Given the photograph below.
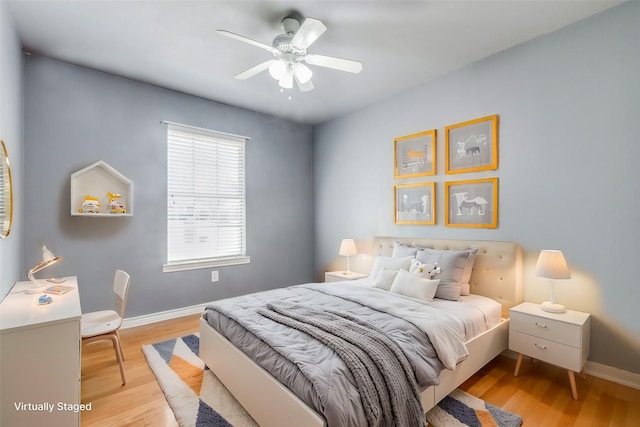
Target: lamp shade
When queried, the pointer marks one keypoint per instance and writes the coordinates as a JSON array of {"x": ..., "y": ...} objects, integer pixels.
[
  {"x": 277, "y": 69},
  {"x": 47, "y": 255},
  {"x": 551, "y": 264},
  {"x": 286, "y": 81},
  {"x": 348, "y": 247},
  {"x": 302, "y": 73}
]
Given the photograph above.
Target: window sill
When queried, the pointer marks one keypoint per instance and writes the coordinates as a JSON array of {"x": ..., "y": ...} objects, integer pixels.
[{"x": 195, "y": 265}]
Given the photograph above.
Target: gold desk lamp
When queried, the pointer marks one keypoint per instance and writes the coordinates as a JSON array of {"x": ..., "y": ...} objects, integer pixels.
[{"x": 47, "y": 259}]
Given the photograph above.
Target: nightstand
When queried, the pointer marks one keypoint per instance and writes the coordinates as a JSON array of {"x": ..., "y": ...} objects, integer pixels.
[
  {"x": 560, "y": 339},
  {"x": 339, "y": 276}
]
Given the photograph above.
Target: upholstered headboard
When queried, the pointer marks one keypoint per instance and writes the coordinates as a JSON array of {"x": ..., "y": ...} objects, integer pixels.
[{"x": 497, "y": 270}]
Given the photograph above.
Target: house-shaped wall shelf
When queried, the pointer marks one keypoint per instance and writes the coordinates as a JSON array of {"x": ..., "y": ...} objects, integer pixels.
[{"x": 97, "y": 180}]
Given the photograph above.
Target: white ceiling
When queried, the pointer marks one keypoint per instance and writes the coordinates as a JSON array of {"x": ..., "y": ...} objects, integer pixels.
[{"x": 174, "y": 44}]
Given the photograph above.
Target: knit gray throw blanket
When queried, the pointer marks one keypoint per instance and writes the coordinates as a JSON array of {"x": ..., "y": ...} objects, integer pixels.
[{"x": 383, "y": 375}]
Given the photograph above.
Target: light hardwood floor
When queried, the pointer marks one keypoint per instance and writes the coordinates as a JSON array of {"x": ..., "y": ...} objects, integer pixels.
[{"x": 540, "y": 394}]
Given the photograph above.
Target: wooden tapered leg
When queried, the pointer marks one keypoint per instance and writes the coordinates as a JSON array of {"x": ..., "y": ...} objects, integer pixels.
[
  {"x": 518, "y": 363},
  {"x": 120, "y": 345},
  {"x": 116, "y": 346},
  {"x": 572, "y": 380}
]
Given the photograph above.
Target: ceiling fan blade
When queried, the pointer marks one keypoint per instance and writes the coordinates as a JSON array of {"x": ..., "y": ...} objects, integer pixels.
[
  {"x": 336, "y": 63},
  {"x": 304, "y": 87},
  {"x": 309, "y": 32},
  {"x": 254, "y": 70},
  {"x": 245, "y": 39}
]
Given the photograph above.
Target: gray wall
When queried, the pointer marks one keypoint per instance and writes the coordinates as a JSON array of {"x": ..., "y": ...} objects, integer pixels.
[
  {"x": 75, "y": 116},
  {"x": 569, "y": 106},
  {"x": 11, "y": 123}
]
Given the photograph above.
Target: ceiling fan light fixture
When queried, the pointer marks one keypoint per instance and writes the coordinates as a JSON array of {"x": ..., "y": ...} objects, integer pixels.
[
  {"x": 277, "y": 69},
  {"x": 286, "y": 81},
  {"x": 302, "y": 73},
  {"x": 289, "y": 50}
]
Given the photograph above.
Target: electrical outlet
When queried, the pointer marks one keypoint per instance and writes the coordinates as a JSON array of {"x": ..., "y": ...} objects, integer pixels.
[{"x": 214, "y": 276}]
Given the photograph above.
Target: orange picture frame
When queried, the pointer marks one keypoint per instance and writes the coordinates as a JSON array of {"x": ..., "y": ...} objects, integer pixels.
[
  {"x": 471, "y": 203},
  {"x": 415, "y": 155},
  {"x": 415, "y": 203},
  {"x": 471, "y": 146}
]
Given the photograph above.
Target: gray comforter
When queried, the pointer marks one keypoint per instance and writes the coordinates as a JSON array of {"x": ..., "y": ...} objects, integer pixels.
[{"x": 429, "y": 339}]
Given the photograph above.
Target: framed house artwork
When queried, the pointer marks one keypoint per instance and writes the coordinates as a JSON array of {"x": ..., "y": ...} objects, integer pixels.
[
  {"x": 471, "y": 203},
  {"x": 415, "y": 155},
  {"x": 471, "y": 146},
  {"x": 415, "y": 204}
]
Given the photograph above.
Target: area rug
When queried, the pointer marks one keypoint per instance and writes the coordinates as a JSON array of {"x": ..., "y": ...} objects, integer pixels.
[
  {"x": 460, "y": 409},
  {"x": 194, "y": 393},
  {"x": 199, "y": 399}
]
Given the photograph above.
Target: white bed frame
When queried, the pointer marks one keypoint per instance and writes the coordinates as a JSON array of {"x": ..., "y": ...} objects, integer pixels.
[{"x": 497, "y": 274}]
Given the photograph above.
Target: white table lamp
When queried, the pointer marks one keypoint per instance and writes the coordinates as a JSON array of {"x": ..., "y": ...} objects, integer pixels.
[
  {"x": 551, "y": 264},
  {"x": 47, "y": 259},
  {"x": 348, "y": 248}
]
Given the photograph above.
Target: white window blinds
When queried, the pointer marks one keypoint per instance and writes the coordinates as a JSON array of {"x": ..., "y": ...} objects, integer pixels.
[{"x": 206, "y": 209}]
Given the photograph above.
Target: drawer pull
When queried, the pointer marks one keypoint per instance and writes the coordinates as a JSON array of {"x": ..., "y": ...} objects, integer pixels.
[
  {"x": 542, "y": 325},
  {"x": 543, "y": 347}
]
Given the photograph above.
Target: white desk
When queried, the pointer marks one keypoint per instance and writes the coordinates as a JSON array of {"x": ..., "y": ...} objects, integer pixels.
[{"x": 40, "y": 358}]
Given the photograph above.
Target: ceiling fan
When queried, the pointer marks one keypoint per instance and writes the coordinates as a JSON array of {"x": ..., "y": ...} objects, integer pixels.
[{"x": 290, "y": 51}]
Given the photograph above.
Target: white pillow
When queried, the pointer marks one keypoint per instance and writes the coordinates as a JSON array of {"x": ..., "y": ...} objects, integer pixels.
[
  {"x": 414, "y": 286},
  {"x": 385, "y": 279},
  {"x": 390, "y": 263}
]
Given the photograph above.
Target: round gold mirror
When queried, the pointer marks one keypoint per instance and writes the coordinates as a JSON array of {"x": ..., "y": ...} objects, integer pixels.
[{"x": 6, "y": 195}]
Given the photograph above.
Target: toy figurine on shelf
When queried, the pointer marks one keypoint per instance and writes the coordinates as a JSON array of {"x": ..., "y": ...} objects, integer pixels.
[
  {"x": 90, "y": 205},
  {"x": 115, "y": 205}
]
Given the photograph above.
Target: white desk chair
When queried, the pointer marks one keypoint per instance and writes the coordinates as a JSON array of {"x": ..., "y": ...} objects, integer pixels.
[{"x": 104, "y": 325}]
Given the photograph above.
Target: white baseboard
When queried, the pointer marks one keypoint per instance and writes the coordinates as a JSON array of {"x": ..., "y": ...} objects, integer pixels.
[
  {"x": 605, "y": 372},
  {"x": 147, "y": 319},
  {"x": 610, "y": 373}
]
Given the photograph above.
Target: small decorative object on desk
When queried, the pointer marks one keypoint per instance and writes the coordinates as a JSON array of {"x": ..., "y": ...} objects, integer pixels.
[
  {"x": 58, "y": 289},
  {"x": 90, "y": 205},
  {"x": 44, "y": 299},
  {"x": 57, "y": 280},
  {"x": 115, "y": 205}
]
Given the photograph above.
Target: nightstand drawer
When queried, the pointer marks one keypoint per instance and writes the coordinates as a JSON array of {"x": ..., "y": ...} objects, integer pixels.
[
  {"x": 549, "y": 329},
  {"x": 548, "y": 351}
]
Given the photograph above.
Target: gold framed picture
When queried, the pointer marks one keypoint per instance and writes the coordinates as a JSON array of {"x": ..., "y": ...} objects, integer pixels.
[
  {"x": 471, "y": 203},
  {"x": 415, "y": 154},
  {"x": 471, "y": 146},
  {"x": 415, "y": 203}
]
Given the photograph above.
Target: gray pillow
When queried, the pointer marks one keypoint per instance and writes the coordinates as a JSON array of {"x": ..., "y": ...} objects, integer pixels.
[
  {"x": 400, "y": 250},
  {"x": 456, "y": 266},
  {"x": 468, "y": 266}
]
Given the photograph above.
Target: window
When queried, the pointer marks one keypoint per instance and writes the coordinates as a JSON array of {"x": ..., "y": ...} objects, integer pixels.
[{"x": 206, "y": 209}]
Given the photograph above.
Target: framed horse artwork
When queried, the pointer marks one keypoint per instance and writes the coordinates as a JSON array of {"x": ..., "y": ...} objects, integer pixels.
[
  {"x": 415, "y": 155},
  {"x": 471, "y": 203},
  {"x": 471, "y": 146}
]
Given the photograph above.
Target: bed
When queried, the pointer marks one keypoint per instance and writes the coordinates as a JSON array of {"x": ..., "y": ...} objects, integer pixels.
[{"x": 496, "y": 275}]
